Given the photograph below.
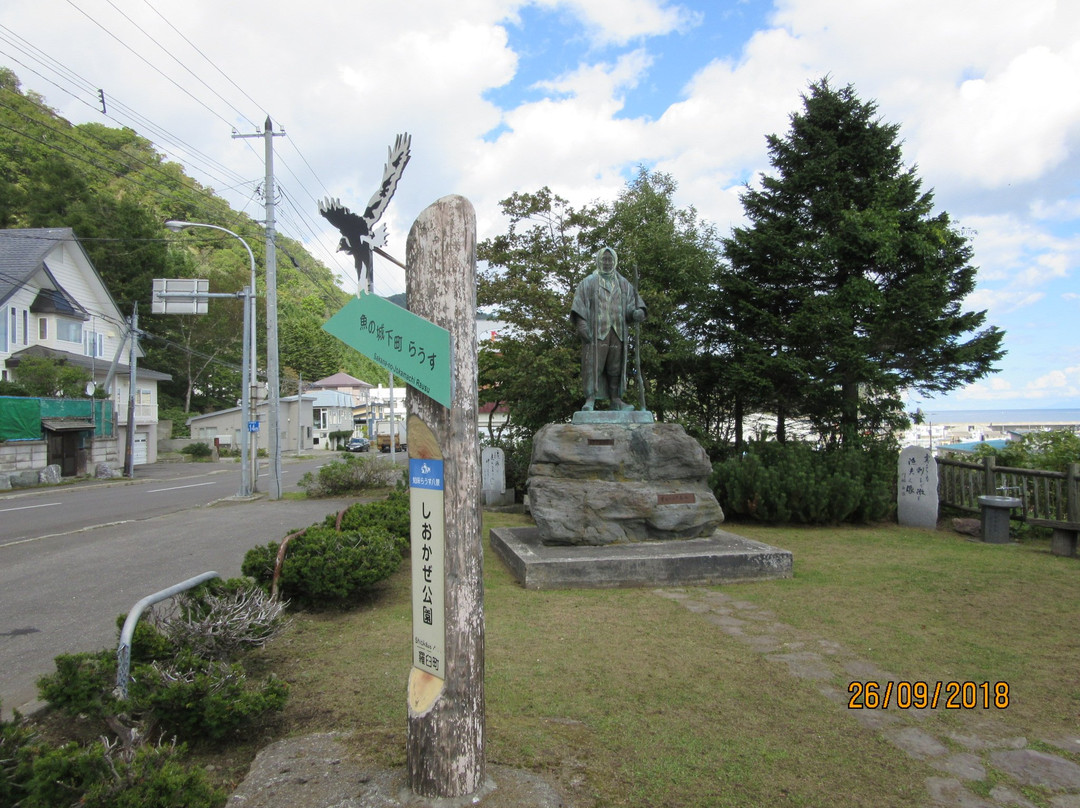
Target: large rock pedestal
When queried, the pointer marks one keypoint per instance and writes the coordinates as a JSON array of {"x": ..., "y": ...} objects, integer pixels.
[
  {"x": 599, "y": 484},
  {"x": 621, "y": 501}
]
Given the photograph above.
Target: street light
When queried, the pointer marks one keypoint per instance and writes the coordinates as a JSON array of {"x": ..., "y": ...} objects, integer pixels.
[{"x": 249, "y": 456}]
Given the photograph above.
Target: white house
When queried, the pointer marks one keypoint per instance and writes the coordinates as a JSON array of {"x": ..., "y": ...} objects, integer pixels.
[
  {"x": 331, "y": 411},
  {"x": 54, "y": 303}
]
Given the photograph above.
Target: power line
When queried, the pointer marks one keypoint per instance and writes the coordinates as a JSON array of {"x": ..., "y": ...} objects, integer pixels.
[
  {"x": 208, "y": 60},
  {"x": 192, "y": 155},
  {"x": 153, "y": 67},
  {"x": 173, "y": 57}
]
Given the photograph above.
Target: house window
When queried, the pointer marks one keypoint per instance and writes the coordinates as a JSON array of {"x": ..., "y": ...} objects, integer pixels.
[
  {"x": 43, "y": 328},
  {"x": 322, "y": 419},
  {"x": 95, "y": 343},
  {"x": 14, "y": 327},
  {"x": 68, "y": 330},
  {"x": 3, "y": 335},
  {"x": 25, "y": 327}
]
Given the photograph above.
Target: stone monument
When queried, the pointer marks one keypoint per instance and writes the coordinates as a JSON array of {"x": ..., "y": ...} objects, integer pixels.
[
  {"x": 917, "y": 488},
  {"x": 493, "y": 490}
]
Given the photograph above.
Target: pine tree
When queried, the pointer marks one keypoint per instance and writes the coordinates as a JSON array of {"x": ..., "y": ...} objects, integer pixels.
[{"x": 846, "y": 288}]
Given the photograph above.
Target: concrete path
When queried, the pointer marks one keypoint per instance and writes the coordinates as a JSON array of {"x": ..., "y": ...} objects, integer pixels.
[{"x": 986, "y": 738}]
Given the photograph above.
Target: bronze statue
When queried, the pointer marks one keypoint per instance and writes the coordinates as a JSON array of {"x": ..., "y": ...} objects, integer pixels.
[{"x": 605, "y": 305}]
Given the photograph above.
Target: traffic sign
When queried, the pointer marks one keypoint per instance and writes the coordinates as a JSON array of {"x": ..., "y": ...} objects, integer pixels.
[{"x": 409, "y": 346}]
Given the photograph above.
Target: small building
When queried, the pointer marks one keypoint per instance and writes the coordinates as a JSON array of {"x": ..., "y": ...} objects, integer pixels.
[
  {"x": 343, "y": 382},
  {"x": 222, "y": 428},
  {"x": 332, "y": 411}
]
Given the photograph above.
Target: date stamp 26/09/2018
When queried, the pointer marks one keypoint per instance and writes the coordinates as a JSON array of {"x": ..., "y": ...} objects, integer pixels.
[{"x": 871, "y": 695}]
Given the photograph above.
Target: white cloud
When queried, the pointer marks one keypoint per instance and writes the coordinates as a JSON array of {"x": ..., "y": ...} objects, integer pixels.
[{"x": 621, "y": 21}]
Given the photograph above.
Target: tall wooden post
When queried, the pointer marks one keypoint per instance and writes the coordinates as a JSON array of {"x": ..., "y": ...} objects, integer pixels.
[{"x": 446, "y": 686}]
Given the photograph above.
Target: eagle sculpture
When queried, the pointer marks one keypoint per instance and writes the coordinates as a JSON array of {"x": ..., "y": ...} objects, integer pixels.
[{"x": 359, "y": 234}]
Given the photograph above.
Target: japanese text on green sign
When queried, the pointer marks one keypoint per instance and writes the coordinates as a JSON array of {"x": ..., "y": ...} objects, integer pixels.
[{"x": 407, "y": 345}]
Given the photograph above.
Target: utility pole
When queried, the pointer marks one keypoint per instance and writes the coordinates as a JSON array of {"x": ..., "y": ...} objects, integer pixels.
[
  {"x": 272, "y": 369},
  {"x": 129, "y": 451}
]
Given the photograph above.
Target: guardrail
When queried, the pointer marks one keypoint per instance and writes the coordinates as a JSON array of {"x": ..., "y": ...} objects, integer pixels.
[
  {"x": 1048, "y": 498},
  {"x": 123, "y": 650}
]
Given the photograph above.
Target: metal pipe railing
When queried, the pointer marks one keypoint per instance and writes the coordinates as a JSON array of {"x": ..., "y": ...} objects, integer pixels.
[{"x": 123, "y": 651}]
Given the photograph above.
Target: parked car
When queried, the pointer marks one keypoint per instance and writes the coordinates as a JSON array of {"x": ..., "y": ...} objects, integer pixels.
[{"x": 358, "y": 445}]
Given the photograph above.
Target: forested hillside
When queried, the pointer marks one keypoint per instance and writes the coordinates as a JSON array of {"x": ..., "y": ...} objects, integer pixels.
[{"x": 115, "y": 190}]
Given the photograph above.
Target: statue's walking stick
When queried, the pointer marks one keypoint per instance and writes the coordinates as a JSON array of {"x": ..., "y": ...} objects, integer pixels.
[{"x": 637, "y": 347}]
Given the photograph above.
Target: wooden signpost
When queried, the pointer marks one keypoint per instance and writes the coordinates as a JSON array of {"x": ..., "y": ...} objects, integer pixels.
[{"x": 446, "y": 683}]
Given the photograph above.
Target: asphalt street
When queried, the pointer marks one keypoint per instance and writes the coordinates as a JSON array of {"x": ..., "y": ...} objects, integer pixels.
[{"x": 61, "y": 591}]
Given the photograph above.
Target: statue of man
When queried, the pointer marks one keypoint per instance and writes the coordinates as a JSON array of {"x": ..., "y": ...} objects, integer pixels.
[{"x": 605, "y": 304}]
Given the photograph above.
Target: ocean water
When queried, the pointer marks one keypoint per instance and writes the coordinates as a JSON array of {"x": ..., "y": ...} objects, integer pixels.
[{"x": 1035, "y": 416}]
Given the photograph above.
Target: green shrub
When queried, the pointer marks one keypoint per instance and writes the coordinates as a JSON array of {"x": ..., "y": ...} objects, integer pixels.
[
  {"x": 82, "y": 684},
  {"x": 325, "y": 566},
  {"x": 100, "y": 775},
  {"x": 795, "y": 482},
  {"x": 390, "y": 514},
  {"x": 352, "y": 474},
  {"x": 178, "y": 676},
  {"x": 198, "y": 451},
  {"x": 18, "y": 747},
  {"x": 179, "y": 417},
  {"x": 196, "y": 697}
]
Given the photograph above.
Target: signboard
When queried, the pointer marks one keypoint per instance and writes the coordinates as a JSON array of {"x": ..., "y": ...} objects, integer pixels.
[
  {"x": 180, "y": 296},
  {"x": 428, "y": 537},
  {"x": 253, "y": 426},
  {"x": 410, "y": 347}
]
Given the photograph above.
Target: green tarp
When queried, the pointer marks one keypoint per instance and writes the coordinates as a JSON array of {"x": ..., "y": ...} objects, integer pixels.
[{"x": 20, "y": 418}]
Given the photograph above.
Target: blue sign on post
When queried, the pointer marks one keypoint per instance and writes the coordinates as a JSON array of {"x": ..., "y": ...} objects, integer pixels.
[{"x": 253, "y": 426}]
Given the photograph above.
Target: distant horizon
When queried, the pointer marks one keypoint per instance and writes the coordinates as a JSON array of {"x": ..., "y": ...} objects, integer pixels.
[{"x": 1005, "y": 414}]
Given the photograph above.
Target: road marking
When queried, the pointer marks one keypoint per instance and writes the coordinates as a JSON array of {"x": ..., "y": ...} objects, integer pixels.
[
  {"x": 28, "y": 507},
  {"x": 176, "y": 487}
]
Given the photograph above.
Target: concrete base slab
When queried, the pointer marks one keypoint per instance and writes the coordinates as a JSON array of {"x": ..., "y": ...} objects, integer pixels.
[{"x": 717, "y": 559}]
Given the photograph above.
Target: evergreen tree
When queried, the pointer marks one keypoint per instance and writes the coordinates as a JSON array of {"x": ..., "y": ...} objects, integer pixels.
[{"x": 846, "y": 288}]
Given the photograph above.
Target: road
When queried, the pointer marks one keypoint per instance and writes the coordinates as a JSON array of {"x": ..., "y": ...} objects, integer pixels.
[
  {"x": 155, "y": 490},
  {"x": 72, "y": 558}
]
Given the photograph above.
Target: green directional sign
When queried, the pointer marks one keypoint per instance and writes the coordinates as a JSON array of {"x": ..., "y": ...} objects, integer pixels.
[{"x": 410, "y": 347}]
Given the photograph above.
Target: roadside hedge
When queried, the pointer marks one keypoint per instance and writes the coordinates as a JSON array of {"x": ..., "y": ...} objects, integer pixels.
[{"x": 795, "y": 482}]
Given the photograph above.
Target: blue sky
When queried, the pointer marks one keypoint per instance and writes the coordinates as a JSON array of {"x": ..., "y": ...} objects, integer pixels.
[{"x": 504, "y": 95}]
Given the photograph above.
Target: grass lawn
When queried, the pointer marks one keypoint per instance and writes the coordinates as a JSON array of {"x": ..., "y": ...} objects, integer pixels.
[{"x": 629, "y": 699}]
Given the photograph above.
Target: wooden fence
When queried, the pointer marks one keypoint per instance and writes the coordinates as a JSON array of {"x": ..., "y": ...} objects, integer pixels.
[{"x": 1049, "y": 498}]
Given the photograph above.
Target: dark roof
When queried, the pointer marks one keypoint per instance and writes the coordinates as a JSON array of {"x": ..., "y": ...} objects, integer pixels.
[
  {"x": 341, "y": 380},
  {"x": 85, "y": 362},
  {"x": 57, "y": 301},
  {"x": 22, "y": 254}
]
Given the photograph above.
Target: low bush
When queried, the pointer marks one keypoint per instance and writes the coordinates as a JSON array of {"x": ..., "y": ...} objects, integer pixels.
[
  {"x": 216, "y": 620},
  {"x": 178, "y": 677},
  {"x": 391, "y": 514},
  {"x": 798, "y": 483},
  {"x": 82, "y": 684},
  {"x": 198, "y": 451},
  {"x": 325, "y": 566},
  {"x": 200, "y": 698},
  {"x": 105, "y": 775},
  {"x": 349, "y": 475}
]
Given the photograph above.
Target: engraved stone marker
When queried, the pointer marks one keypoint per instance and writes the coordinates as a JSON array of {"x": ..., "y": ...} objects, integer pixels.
[{"x": 917, "y": 488}]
